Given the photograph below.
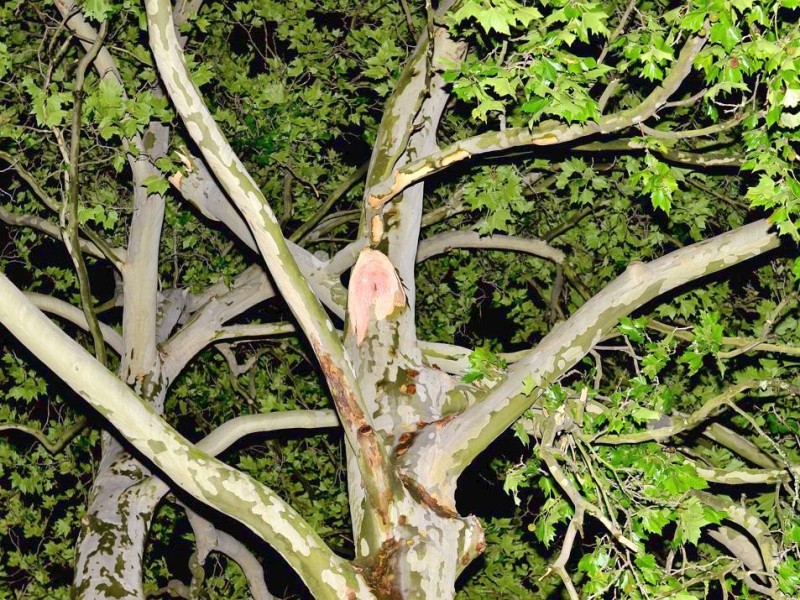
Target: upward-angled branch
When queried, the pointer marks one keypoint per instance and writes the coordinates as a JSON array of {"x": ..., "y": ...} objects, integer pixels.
[
  {"x": 469, "y": 433},
  {"x": 204, "y": 477},
  {"x": 247, "y": 196},
  {"x": 69, "y": 212},
  {"x": 545, "y": 135}
]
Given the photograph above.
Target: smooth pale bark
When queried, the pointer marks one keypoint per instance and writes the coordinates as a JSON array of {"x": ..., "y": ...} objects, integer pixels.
[
  {"x": 196, "y": 472},
  {"x": 549, "y": 134},
  {"x": 439, "y": 458},
  {"x": 371, "y": 457}
]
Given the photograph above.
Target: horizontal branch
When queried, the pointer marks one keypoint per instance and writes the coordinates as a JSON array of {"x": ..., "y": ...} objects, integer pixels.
[
  {"x": 742, "y": 345},
  {"x": 545, "y": 135},
  {"x": 232, "y": 431},
  {"x": 695, "y": 159},
  {"x": 692, "y": 133},
  {"x": 680, "y": 424},
  {"x": 444, "y": 242}
]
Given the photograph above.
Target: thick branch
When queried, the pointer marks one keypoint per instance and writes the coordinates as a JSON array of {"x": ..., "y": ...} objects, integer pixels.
[
  {"x": 468, "y": 434},
  {"x": 243, "y": 191},
  {"x": 545, "y": 135},
  {"x": 199, "y": 474}
]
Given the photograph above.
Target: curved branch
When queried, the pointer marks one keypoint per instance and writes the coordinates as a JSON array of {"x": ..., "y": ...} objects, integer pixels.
[
  {"x": 74, "y": 315},
  {"x": 545, "y": 135},
  {"x": 204, "y": 477},
  {"x": 439, "y": 244},
  {"x": 210, "y": 539},
  {"x": 232, "y": 431},
  {"x": 52, "y": 447},
  {"x": 469, "y": 433},
  {"x": 243, "y": 191},
  {"x": 50, "y": 229}
]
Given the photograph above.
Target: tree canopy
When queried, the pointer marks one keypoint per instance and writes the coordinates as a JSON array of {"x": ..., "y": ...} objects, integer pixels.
[{"x": 407, "y": 299}]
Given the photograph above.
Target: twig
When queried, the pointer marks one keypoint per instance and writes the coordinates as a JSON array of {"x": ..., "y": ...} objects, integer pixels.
[
  {"x": 52, "y": 447},
  {"x": 69, "y": 211}
]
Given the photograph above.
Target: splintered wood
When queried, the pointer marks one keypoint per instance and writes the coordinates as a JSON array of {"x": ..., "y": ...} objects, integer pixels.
[{"x": 374, "y": 283}]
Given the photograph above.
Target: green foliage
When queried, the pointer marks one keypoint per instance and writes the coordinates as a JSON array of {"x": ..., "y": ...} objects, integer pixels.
[{"x": 300, "y": 88}]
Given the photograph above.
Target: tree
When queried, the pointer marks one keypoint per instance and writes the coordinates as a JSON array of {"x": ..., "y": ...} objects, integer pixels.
[{"x": 558, "y": 234}]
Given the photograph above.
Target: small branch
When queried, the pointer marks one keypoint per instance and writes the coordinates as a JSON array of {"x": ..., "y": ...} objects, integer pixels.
[
  {"x": 744, "y": 345},
  {"x": 740, "y": 445},
  {"x": 681, "y": 424},
  {"x": 553, "y": 426},
  {"x": 74, "y": 315},
  {"x": 97, "y": 246},
  {"x": 28, "y": 178},
  {"x": 559, "y": 566},
  {"x": 340, "y": 191},
  {"x": 618, "y": 30},
  {"x": 52, "y": 447},
  {"x": 50, "y": 229},
  {"x": 254, "y": 331},
  {"x": 444, "y": 242},
  {"x": 710, "y": 160},
  {"x": 69, "y": 212},
  {"x": 210, "y": 539},
  {"x": 692, "y": 133},
  {"x": 409, "y": 21}
]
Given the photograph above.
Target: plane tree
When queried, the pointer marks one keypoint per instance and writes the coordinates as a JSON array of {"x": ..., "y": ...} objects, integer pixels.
[{"x": 253, "y": 250}]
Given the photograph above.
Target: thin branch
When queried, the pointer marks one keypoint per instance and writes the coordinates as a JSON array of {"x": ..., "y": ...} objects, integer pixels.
[
  {"x": 69, "y": 212},
  {"x": 443, "y": 242},
  {"x": 692, "y": 133},
  {"x": 210, "y": 539},
  {"x": 100, "y": 249},
  {"x": 694, "y": 159},
  {"x": 50, "y": 229},
  {"x": 340, "y": 191},
  {"x": 65, "y": 437},
  {"x": 680, "y": 424},
  {"x": 743, "y": 345},
  {"x": 74, "y": 315},
  {"x": 618, "y": 30}
]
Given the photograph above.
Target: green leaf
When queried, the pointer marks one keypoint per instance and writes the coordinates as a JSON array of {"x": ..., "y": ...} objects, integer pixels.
[
  {"x": 5, "y": 60},
  {"x": 156, "y": 184},
  {"x": 99, "y": 10}
]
